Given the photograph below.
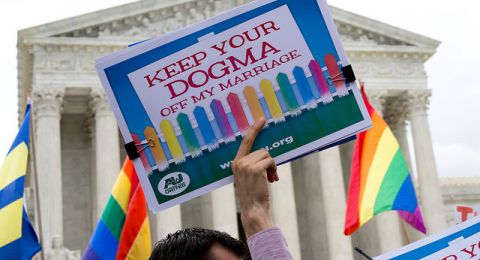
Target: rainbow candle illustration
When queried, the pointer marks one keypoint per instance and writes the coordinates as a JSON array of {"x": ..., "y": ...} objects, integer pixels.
[
  {"x": 237, "y": 111},
  {"x": 336, "y": 76},
  {"x": 253, "y": 103},
  {"x": 304, "y": 88},
  {"x": 321, "y": 82},
  {"x": 141, "y": 151},
  {"x": 156, "y": 148},
  {"x": 172, "y": 141},
  {"x": 272, "y": 102},
  {"x": 189, "y": 135},
  {"x": 287, "y": 92},
  {"x": 222, "y": 121},
  {"x": 205, "y": 128}
]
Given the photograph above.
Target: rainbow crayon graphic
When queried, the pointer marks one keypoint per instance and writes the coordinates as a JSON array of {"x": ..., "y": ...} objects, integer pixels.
[
  {"x": 222, "y": 121},
  {"x": 304, "y": 88},
  {"x": 189, "y": 135},
  {"x": 172, "y": 141},
  {"x": 287, "y": 92},
  {"x": 320, "y": 81},
  {"x": 253, "y": 103},
  {"x": 156, "y": 148},
  {"x": 272, "y": 102},
  {"x": 205, "y": 128},
  {"x": 141, "y": 151},
  {"x": 336, "y": 77},
  {"x": 237, "y": 111}
]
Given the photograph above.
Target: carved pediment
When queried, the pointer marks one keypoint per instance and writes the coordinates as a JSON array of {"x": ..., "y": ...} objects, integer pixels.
[
  {"x": 350, "y": 33},
  {"x": 178, "y": 15},
  {"x": 157, "y": 22}
]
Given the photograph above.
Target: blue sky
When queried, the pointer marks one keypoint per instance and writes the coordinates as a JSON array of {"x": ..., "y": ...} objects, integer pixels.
[{"x": 454, "y": 106}]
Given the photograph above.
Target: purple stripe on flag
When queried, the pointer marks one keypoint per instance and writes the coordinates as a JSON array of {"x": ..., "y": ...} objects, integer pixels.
[{"x": 414, "y": 219}]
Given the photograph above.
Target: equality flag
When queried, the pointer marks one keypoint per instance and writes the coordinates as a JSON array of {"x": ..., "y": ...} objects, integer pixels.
[
  {"x": 123, "y": 231},
  {"x": 379, "y": 180},
  {"x": 17, "y": 236}
]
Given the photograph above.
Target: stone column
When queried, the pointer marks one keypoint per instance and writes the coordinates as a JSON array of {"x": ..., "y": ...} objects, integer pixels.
[
  {"x": 47, "y": 108},
  {"x": 334, "y": 201},
  {"x": 394, "y": 237},
  {"x": 107, "y": 153},
  {"x": 430, "y": 193},
  {"x": 167, "y": 221},
  {"x": 219, "y": 210},
  {"x": 282, "y": 203},
  {"x": 310, "y": 210}
]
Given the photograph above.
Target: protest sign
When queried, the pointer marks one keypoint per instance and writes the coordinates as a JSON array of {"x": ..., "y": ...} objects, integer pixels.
[
  {"x": 183, "y": 100},
  {"x": 458, "y": 241},
  {"x": 460, "y": 249},
  {"x": 464, "y": 212}
]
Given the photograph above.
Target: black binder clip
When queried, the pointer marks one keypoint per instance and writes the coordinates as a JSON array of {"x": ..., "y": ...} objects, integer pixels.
[
  {"x": 348, "y": 73},
  {"x": 132, "y": 148}
]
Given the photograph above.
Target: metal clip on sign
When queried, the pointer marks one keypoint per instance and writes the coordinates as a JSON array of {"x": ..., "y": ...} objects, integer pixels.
[{"x": 134, "y": 150}]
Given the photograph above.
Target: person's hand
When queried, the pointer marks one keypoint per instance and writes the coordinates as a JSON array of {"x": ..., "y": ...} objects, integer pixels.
[{"x": 252, "y": 172}]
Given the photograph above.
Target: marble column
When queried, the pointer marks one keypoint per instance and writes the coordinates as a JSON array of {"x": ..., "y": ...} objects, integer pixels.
[
  {"x": 107, "y": 153},
  {"x": 47, "y": 109},
  {"x": 394, "y": 238},
  {"x": 166, "y": 222},
  {"x": 219, "y": 210},
  {"x": 310, "y": 210},
  {"x": 334, "y": 201},
  {"x": 282, "y": 203},
  {"x": 430, "y": 193}
]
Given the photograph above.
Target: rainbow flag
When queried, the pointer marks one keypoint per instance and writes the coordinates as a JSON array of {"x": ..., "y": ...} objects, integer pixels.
[
  {"x": 17, "y": 237},
  {"x": 123, "y": 231},
  {"x": 380, "y": 180}
]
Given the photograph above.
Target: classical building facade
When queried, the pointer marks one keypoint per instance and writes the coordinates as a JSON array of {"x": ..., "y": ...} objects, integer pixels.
[{"x": 78, "y": 148}]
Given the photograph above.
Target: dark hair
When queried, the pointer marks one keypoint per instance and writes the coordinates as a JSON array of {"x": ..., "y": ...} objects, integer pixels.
[{"x": 194, "y": 243}]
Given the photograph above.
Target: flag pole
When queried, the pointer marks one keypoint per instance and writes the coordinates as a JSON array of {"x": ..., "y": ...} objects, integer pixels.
[
  {"x": 33, "y": 170},
  {"x": 404, "y": 228},
  {"x": 360, "y": 251}
]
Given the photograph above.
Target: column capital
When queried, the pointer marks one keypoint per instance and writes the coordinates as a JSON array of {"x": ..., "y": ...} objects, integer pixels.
[
  {"x": 98, "y": 104},
  {"x": 48, "y": 102},
  {"x": 396, "y": 112},
  {"x": 418, "y": 101},
  {"x": 378, "y": 99}
]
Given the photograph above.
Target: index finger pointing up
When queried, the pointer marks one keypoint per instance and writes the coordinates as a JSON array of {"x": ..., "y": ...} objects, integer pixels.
[{"x": 249, "y": 138}]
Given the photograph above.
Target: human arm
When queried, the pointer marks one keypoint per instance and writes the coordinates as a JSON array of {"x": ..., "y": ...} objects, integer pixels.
[{"x": 253, "y": 171}]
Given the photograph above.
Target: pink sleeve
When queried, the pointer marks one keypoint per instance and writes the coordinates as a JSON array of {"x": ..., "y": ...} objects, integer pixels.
[{"x": 269, "y": 244}]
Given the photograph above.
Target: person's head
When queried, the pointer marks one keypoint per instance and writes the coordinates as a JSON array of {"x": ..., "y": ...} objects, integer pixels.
[{"x": 198, "y": 243}]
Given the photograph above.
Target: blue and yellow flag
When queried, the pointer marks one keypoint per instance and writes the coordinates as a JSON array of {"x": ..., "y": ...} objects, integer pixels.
[{"x": 17, "y": 237}]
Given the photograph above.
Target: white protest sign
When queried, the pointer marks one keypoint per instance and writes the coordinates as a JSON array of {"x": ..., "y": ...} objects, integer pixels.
[
  {"x": 464, "y": 212},
  {"x": 459, "y": 250},
  {"x": 457, "y": 240}
]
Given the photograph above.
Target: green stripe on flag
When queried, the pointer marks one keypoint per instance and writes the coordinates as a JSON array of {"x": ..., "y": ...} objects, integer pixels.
[
  {"x": 391, "y": 184},
  {"x": 113, "y": 217}
]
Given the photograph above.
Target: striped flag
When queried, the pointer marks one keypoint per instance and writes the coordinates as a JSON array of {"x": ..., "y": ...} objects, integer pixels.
[
  {"x": 380, "y": 180},
  {"x": 17, "y": 237},
  {"x": 123, "y": 231}
]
